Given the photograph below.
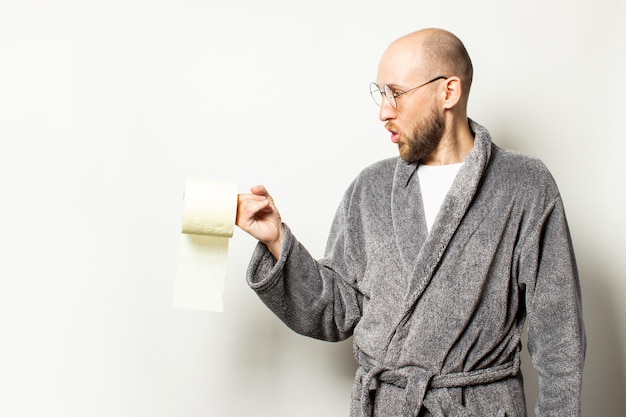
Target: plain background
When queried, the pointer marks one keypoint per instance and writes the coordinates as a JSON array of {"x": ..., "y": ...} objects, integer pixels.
[{"x": 106, "y": 108}]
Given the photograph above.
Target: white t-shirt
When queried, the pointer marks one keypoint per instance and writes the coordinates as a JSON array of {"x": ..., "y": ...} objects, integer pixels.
[{"x": 435, "y": 182}]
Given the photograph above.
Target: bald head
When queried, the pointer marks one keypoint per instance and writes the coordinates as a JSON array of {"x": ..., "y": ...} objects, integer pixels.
[{"x": 436, "y": 52}]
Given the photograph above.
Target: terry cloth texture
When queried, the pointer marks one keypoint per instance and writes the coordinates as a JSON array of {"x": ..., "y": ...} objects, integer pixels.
[{"x": 437, "y": 317}]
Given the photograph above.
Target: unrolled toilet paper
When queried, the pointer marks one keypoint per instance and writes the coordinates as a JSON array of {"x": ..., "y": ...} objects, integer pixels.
[{"x": 209, "y": 215}]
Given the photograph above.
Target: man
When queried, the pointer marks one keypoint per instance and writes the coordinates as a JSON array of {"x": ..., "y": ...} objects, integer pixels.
[{"x": 435, "y": 259}]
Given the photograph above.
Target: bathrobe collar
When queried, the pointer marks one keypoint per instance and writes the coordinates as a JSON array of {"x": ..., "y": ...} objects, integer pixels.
[{"x": 408, "y": 219}]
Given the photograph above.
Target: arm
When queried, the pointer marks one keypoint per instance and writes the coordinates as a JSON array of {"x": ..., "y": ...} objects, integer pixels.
[
  {"x": 556, "y": 335},
  {"x": 310, "y": 297}
]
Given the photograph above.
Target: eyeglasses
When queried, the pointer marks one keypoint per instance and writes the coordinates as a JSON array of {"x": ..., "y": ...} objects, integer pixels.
[{"x": 378, "y": 93}]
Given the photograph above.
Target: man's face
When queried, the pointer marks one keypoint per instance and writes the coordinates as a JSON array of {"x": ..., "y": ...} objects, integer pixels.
[{"x": 416, "y": 123}]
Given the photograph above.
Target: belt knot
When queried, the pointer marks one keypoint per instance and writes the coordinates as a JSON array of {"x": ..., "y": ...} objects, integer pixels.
[{"x": 416, "y": 381}]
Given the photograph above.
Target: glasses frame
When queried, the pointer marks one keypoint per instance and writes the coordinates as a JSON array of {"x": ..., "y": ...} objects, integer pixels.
[{"x": 391, "y": 96}]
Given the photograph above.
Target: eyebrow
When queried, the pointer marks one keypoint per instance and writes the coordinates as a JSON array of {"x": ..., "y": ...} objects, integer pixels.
[{"x": 397, "y": 88}]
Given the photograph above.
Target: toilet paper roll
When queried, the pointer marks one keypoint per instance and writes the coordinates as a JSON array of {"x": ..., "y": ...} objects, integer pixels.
[
  {"x": 209, "y": 215},
  {"x": 210, "y": 207}
]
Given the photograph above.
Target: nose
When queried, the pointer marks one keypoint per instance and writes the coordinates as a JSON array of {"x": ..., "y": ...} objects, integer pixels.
[{"x": 387, "y": 112}]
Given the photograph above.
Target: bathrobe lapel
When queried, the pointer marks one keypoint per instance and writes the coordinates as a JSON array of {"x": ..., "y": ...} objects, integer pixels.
[
  {"x": 421, "y": 251},
  {"x": 409, "y": 224}
]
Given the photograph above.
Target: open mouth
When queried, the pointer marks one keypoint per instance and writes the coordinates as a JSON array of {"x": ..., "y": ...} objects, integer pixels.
[{"x": 395, "y": 135}]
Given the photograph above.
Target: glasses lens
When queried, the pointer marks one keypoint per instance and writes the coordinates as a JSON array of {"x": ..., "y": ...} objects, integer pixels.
[
  {"x": 376, "y": 94},
  {"x": 390, "y": 96}
]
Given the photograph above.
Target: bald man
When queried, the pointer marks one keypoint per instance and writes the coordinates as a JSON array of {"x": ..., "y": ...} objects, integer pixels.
[{"x": 435, "y": 259}]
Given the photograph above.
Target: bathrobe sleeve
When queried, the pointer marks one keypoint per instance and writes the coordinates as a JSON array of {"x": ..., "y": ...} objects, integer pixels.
[
  {"x": 556, "y": 336},
  {"x": 309, "y": 296}
]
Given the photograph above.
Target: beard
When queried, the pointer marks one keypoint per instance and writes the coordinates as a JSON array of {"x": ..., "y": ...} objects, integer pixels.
[{"x": 424, "y": 138}]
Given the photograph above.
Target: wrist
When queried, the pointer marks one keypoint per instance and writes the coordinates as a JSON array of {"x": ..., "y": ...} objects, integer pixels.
[{"x": 276, "y": 246}]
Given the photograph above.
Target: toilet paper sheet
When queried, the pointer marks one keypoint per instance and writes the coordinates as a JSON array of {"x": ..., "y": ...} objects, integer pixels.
[{"x": 209, "y": 215}]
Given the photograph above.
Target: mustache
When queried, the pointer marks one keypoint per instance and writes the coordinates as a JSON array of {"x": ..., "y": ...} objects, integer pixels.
[{"x": 391, "y": 126}]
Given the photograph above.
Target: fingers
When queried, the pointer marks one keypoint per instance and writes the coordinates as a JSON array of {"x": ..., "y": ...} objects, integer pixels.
[
  {"x": 254, "y": 206},
  {"x": 248, "y": 205},
  {"x": 259, "y": 190}
]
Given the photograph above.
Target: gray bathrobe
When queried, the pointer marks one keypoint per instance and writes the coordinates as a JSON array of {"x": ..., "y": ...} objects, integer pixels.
[{"x": 437, "y": 317}]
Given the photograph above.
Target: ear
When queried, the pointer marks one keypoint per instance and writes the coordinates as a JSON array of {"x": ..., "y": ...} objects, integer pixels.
[{"x": 453, "y": 92}]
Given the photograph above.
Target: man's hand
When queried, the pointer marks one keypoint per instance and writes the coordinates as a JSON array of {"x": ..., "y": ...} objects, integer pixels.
[{"x": 258, "y": 216}]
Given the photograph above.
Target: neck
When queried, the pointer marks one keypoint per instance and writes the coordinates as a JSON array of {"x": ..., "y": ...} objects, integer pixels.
[{"x": 456, "y": 142}]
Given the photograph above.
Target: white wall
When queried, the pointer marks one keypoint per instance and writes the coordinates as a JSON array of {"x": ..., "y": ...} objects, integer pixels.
[{"x": 106, "y": 108}]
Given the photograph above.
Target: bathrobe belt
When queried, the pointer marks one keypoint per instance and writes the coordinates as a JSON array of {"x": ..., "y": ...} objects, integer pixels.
[{"x": 417, "y": 381}]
